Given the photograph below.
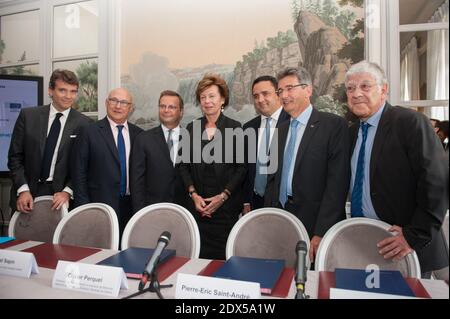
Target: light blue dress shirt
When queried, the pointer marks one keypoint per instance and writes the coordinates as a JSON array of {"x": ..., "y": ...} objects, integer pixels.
[
  {"x": 303, "y": 118},
  {"x": 373, "y": 121}
]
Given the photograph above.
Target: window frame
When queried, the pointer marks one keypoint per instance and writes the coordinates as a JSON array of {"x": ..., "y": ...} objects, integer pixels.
[{"x": 383, "y": 46}]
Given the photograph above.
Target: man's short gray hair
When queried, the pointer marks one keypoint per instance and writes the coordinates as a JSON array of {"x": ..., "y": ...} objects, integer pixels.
[
  {"x": 367, "y": 67},
  {"x": 300, "y": 73}
]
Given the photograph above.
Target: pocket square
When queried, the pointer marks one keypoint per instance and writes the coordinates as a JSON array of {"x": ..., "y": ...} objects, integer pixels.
[{"x": 73, "y": 136}]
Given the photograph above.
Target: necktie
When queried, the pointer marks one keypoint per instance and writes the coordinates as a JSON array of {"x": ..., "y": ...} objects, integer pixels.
[
  {"x": 356, "y": 208},
  {"x": 50, "y": 144},
  {"x": 261, "y": 174},
  {"x": 287, "y": 161},
  {"x": 123, "y": 161},
  {"x": 170, "y": 144}
]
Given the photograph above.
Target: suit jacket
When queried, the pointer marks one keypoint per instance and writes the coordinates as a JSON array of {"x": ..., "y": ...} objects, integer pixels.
[
  {"x": 409, "y": 181},
  {"x": 96, "y": 165},
  {"x": 28, "y": 144},
  {"x": 249, "y": 182},
  {"x": 229, "y": 175},
  {"x": 321, "y": 172},
  {"x": 153, "y": 178}
]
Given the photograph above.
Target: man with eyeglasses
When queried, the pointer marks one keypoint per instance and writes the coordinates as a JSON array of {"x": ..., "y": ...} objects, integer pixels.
[
  {"x": 312, "y": 177},
  {"x": 39, "y": 154},
  {"x": 398, "y": 172},
  {"x": 271, "y": 115},
  {"x": 154, "y": 178},
  {"x": 100, "y": 165}
]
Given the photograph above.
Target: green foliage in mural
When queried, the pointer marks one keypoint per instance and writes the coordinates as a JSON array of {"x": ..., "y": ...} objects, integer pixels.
[
  {"x": 354, "y": 48},
  {"x": 281, "y": 40},
  {"x": 326, "y": 103},
  {"x": 2, "y": 49},
  {"x": 329, "y": 12},
  {"x": 87, "y": 75}
]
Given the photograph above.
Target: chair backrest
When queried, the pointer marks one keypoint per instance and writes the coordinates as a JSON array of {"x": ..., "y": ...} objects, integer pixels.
[
  {"x": 145, "y": 227},
  {"x": 270, "y": 233},
  {"x": 352, "y": 243},
  {"x": 39, "y": 224},
  {"x": 445, "y": 228},
  {"x": 90, "y": 225}
]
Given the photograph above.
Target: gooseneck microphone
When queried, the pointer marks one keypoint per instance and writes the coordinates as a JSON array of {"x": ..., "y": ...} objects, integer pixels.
[
  {"x": 300, "y": 278},
  {"x": 154, "y": 260}
]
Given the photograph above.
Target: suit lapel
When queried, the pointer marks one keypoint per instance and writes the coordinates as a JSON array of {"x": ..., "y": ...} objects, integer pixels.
[
  {"x": 106, "y": 133},
  {"x": 353, "y": 136},
  {"x": 43, "y": 125},
  {"x": 383, "y": 130},
  {"x": 68, "y": 129},
  {"x": 310, "y": 130},
  {"x": 161, "y": 141},
  {"x": 282, "y": 136}
]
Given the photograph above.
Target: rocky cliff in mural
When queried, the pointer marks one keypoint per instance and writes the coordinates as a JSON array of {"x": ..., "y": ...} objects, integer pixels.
[{"x": 316, "y": 48}]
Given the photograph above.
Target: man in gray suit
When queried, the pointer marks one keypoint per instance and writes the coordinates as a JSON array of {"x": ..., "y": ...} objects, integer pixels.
[{"x": 38, "y": 156}]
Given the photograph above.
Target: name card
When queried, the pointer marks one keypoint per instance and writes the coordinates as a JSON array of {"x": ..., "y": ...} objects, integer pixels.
[
  {"x": 202, "y": 287},
  {"x": 17, "y": 263},
  {"x": 95, "y": 279}
]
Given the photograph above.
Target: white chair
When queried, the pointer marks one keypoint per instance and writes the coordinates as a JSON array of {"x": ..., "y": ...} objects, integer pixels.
[
  {"x": 443, "y": 273},
  {"x": 270, "y": 233},
  {"x": 352, "y": 243},
  {"x": 145, "y": 227},
  {"x": 89, "y": 225},
  {"x": 39, "y": 224}
]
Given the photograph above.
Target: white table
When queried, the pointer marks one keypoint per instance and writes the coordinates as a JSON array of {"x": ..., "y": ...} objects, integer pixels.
[{"x": 39, "y": 286}]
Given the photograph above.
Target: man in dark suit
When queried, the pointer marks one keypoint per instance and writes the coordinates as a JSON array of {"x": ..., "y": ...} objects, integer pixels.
[
  {"x": 100, "y": 166},
  {"x": 312, "y": 177},
  {"x": 268, "y": 105},
  {"x": 41, "y": 142},
  {"x": 398, "y": 172},
  {"x": 153, "y": 174}
]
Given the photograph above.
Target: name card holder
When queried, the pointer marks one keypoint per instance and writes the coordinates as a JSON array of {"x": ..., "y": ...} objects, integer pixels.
[
  {"x": 17, "y": 263},
  {"x": 95, "y": 279},
  {"x": 202, "y": 287}
]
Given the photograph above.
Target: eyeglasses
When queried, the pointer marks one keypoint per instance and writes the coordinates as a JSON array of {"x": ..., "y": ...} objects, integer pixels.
[
  {"x": 122, "y": 103},
  {"x": 289, "y": 88},
  {"x": 365, "y": 87},
  {"x": 169, "y": 107}
]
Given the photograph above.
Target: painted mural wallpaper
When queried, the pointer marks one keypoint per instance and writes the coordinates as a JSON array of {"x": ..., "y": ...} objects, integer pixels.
[{"x": 182, "y": 40}]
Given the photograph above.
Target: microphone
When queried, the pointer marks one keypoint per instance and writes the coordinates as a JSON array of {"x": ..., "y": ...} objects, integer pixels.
[
  {"x": 300, "y": 279},
  {"x": 154, "y": 260}
]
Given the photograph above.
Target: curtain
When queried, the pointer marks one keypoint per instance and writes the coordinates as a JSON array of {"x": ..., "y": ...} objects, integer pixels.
[
  {"x": 409, "y": 72},
  {"x": 437, "y": 63}
]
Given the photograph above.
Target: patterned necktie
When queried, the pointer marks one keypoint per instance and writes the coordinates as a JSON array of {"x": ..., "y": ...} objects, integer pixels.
[
  {"x": 287, "y": 161},
  {"x": 261, "y": 167},
  {"x": 50, "y": 145},
  {"x": 170, "y": 144},
  {"x": 123, "y": 161},
  {"x": 356, "y": 208}
]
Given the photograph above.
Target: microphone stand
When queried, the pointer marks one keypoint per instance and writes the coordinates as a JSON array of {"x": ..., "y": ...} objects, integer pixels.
[{"x": 153, "y": 287}]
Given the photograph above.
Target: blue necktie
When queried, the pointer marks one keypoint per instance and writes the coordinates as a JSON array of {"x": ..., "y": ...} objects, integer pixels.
[
  {"x": 50, "y": 145},
  {"x": 261, "y": 174},
  {"x": 123, "y": 161},
  {"x": 287, "y": 162},
  {"x": 356, "y": 207}
]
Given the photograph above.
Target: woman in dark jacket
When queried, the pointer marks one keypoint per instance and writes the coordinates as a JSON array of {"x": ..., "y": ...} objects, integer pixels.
[{"x": 213, "y": 183}]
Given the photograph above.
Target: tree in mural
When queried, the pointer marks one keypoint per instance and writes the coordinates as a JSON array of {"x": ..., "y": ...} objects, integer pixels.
[
  {"x": 2, "y": 49},
  {"x": 329, "y": 13},
  {"x": 87, "y": 75}
]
